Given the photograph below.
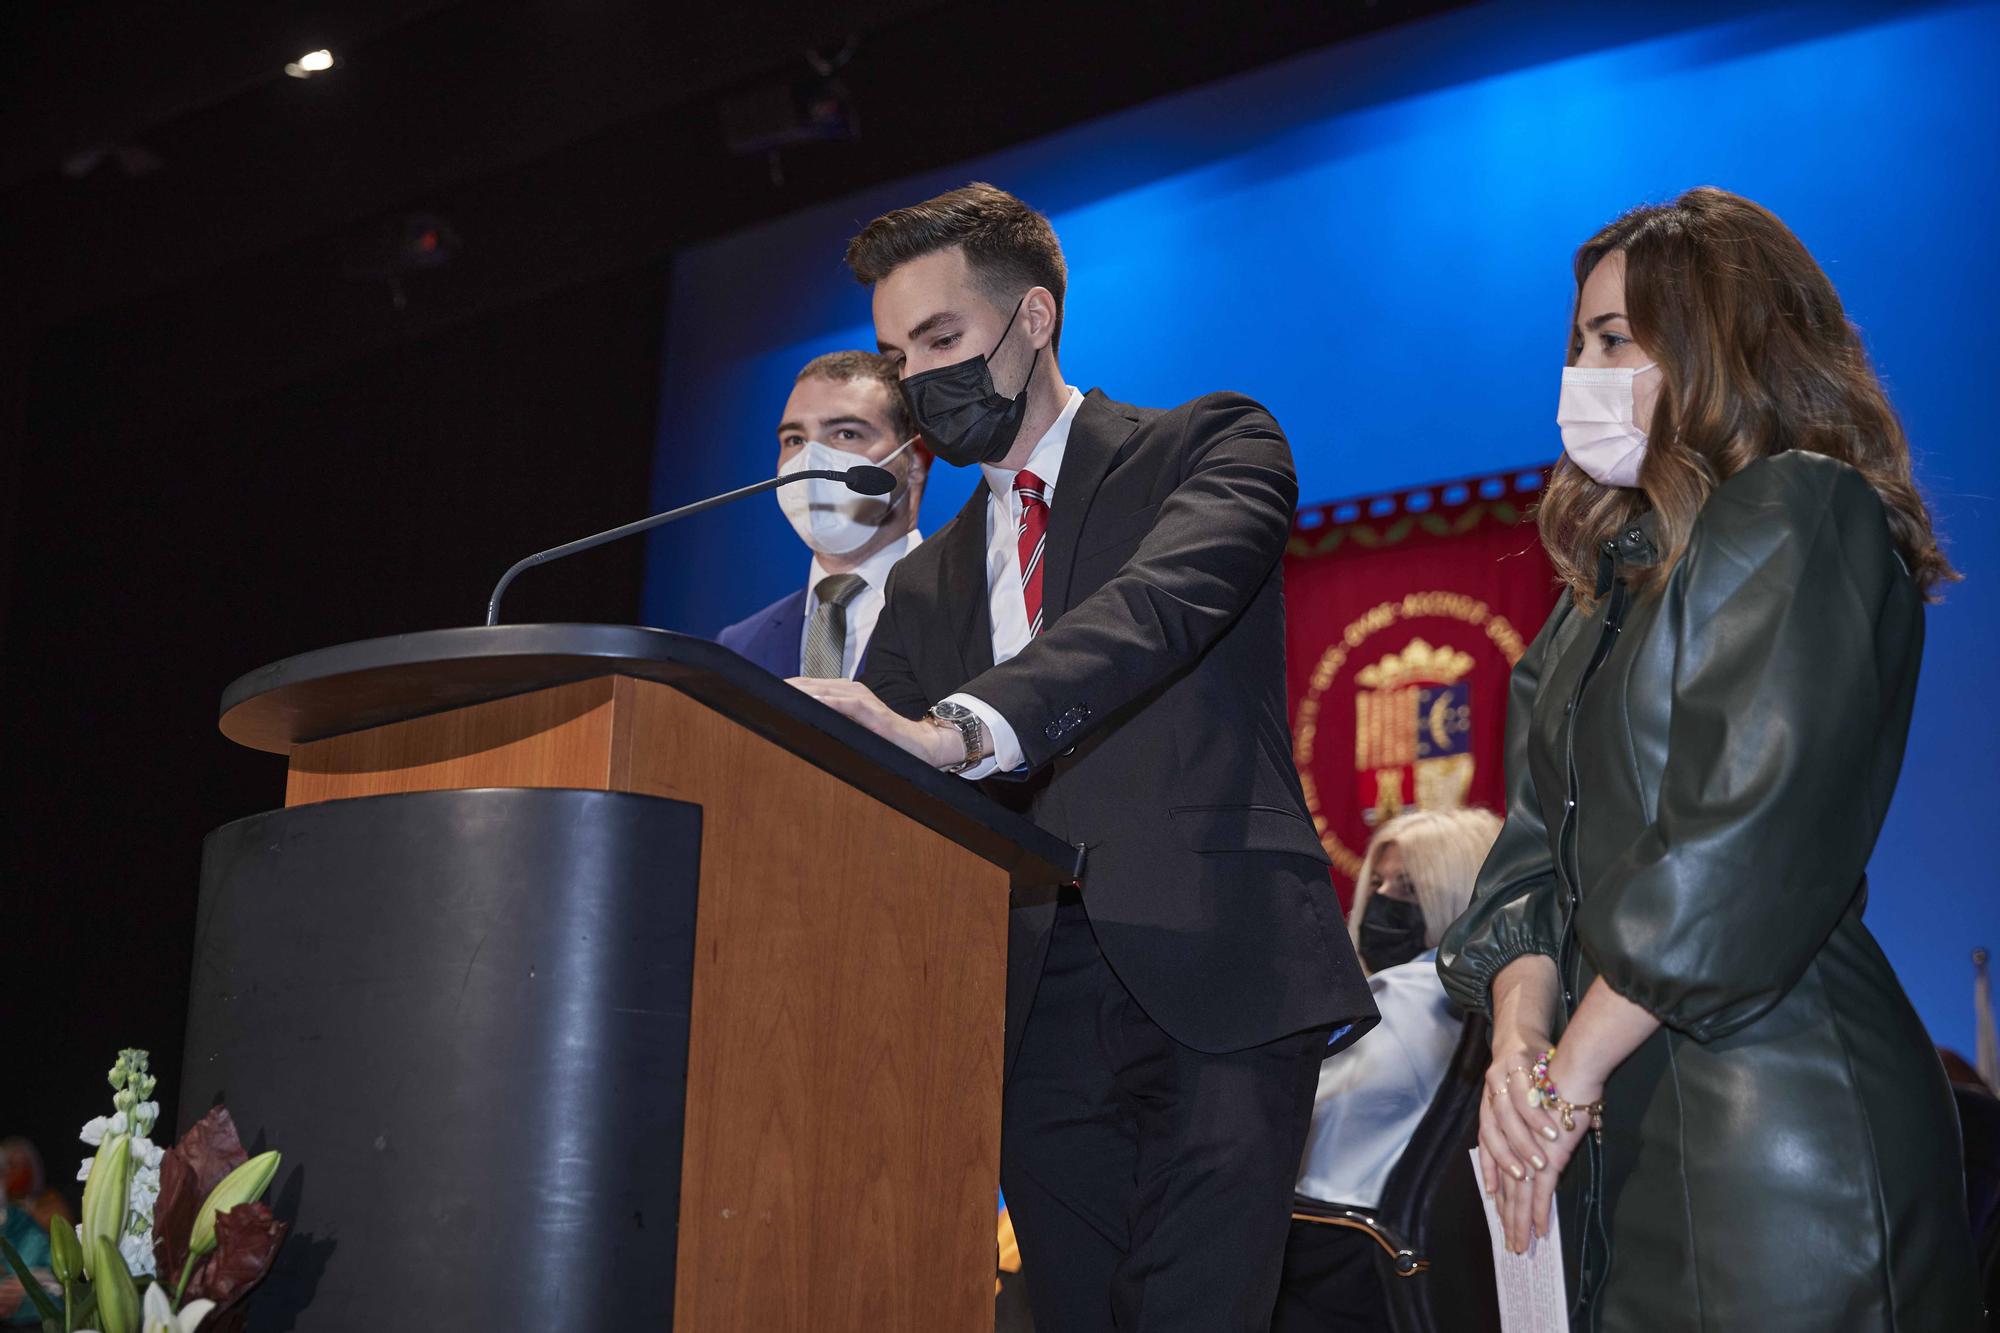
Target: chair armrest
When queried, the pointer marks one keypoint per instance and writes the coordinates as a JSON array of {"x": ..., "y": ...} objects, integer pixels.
[{"x": 1407, "y": 1262}]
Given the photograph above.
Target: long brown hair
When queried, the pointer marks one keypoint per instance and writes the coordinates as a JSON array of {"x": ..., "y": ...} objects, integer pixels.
[{"x": 1756, "y": 357}]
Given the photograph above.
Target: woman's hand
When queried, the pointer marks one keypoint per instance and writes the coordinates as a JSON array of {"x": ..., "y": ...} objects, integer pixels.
[
  {"x": 1522, "y": 1148},
  {"x": 1579, "y": 1090},
  {"x": 1513, "y": 1150}
]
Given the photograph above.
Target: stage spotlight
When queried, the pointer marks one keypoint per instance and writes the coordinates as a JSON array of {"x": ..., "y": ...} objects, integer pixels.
[{"x": 311, "y": 63}]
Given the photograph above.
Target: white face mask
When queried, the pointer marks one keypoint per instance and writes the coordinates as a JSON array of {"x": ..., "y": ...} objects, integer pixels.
[
  {"x": 827, "y": 516},
  {"x": 1597, "y": 417}
]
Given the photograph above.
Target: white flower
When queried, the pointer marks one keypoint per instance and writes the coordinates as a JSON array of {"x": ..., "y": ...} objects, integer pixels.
[
  {"x": 142, "y": 1196},
  {"x": 159, "y": 1316},
  {"x": 135, "y": 1116},
  {"x": 138, "y": 1253}
]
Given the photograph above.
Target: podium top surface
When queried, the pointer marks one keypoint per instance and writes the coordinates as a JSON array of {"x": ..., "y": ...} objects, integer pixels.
[{"x": 378, "y": 681}]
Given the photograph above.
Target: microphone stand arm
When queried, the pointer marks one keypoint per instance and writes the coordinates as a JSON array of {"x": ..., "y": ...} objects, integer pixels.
[{"x": 633, "y": 529}]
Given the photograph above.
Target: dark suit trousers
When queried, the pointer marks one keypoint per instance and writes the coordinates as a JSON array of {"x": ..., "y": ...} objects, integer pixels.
[
  {"x": 1150, "y": 1184},
  {"x": 1331, "y": 1283}
]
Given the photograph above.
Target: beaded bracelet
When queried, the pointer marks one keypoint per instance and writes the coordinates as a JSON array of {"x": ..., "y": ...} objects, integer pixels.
[{"x": 1542, "y": 1092}]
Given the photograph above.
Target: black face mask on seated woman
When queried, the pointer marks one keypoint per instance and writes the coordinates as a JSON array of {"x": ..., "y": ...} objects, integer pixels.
[{"x": 1392, "y": 932}]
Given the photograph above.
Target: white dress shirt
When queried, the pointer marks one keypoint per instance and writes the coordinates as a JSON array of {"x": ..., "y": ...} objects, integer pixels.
[
  {"x": 865, "y": 608},
  {"x": 1372, "y": 1094},
  {"x": 1006, "y": 598}
]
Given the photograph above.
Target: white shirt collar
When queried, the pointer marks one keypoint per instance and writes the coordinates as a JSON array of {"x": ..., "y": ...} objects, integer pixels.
[
  {"x": 1045, "y": 460},
  {"x": 874, "y": 570}
]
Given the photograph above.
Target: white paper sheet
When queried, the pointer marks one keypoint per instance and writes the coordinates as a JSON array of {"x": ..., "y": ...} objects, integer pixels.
[{"x": 1532, "y": 1299}]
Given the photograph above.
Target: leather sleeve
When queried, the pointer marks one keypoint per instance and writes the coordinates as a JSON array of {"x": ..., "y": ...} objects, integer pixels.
[
  {"x": 886, "y": 668},
  {"x": 1516, "y": 905},
  {"x": 1213, "y": 543},
  {"x": 1782, "y": 712}
]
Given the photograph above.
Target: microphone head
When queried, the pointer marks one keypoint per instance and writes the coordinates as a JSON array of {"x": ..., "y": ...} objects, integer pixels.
[{"x": 867, "y": 480}]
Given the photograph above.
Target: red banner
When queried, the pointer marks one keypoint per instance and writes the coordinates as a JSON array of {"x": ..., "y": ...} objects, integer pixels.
[{"x": 1404, "y": 616}]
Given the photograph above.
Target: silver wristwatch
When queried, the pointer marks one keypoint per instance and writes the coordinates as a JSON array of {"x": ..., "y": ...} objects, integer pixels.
[{"x": 966, "y": 722}]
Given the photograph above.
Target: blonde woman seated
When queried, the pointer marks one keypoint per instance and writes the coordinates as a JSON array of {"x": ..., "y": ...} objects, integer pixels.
[{"x": 1415, "y": 879}]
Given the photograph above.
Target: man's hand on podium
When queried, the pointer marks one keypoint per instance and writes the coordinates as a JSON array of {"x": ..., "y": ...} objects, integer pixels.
[{"x": 940, "y": 747}]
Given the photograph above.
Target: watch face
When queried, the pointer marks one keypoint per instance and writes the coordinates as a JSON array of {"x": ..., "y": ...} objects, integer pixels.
[{"x": 953, "y": 712}]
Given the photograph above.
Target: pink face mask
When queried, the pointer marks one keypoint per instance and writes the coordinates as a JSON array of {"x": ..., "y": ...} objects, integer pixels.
[{"x": 1599, "y": 432}]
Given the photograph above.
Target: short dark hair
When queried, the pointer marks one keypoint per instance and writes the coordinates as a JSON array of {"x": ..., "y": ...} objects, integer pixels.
[
  {"x": 1008, "y": 245},
  {"x": 865, "y": 366}
]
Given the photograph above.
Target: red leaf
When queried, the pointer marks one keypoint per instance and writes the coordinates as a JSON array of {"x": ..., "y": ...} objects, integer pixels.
[
  {"x": 247, "y": 1238},
  {"x": 190, "y": 1169},
  {"x": 173, "y": 1216},
  {"x": 212, "y": 1149}
]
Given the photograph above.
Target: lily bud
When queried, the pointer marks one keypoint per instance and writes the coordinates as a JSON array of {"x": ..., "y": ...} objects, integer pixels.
[
  {"x": 243, "y": 1185},
  {"x": 65, "y": 1255},
  {"x": 104, "y": 1196},
  {"x": 117, "y": 1298}
]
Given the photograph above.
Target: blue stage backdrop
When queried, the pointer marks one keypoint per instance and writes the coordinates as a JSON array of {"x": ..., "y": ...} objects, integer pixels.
[{"x": 1375, "y": 241}]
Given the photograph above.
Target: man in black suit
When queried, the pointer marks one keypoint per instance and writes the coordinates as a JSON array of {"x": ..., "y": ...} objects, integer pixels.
[{"x": 1101, "y": 629}]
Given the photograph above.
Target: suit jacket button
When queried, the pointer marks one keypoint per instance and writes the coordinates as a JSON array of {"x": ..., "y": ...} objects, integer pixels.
[{"x": 1052, "y": 730}]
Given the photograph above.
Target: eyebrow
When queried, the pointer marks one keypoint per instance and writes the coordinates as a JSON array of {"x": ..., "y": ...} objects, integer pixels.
[
  {"x": 939, "y": 318},
  {"x": 799, "y": 426},
  {"x": 1598, "y": 323}
]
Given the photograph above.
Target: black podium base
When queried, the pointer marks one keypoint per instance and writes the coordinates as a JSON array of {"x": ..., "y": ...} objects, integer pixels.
[{"x": 463, "y": 1017}]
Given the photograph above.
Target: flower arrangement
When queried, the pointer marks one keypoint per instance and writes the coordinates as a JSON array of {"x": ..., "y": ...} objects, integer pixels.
[{"x": 171, "y": 1240}]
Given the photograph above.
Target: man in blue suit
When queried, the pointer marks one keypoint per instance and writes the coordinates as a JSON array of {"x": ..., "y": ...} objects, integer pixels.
[{"x": 845, "y": 408}]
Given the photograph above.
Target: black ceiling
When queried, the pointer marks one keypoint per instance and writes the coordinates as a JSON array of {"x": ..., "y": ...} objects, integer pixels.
[{"x": 562, "y": 139}]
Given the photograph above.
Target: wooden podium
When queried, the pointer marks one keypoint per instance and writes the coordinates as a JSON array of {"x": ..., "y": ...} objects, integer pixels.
[{"x": 593, "y": 977}]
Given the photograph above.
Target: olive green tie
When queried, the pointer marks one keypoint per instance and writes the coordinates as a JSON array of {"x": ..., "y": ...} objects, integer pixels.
[{"x": 826, "y": 637}]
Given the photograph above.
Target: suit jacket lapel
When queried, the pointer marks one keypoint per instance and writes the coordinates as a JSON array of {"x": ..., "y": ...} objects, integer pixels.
[
  {"x": 964, "y": 599},
  {"x": 1094, "y": 440}
]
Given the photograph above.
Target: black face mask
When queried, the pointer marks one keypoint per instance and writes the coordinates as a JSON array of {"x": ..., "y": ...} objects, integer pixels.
[
  {"x": 962, "y": 419},
  {"x": 1392, "y": 932}
]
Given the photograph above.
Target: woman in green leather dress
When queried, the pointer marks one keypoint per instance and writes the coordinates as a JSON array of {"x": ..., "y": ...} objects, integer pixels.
[{"x": 1702, "y": 744}]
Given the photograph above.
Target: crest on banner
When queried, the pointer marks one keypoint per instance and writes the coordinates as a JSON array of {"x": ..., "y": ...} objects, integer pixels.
[
  {"x": 1404, "y": 616},
  {"x": 1423, "y": 678},
  {"x": 1413, "y": 731}
]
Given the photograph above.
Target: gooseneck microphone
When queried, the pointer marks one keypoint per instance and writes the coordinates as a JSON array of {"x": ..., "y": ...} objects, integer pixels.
[{"x": 863, "y": 479}]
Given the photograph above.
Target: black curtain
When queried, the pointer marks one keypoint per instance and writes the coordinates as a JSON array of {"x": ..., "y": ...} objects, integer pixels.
[{"x": 168, "y": 536}]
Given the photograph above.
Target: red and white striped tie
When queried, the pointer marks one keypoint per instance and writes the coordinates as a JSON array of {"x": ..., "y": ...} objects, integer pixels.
[{"x": 1034, "y": 535}]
